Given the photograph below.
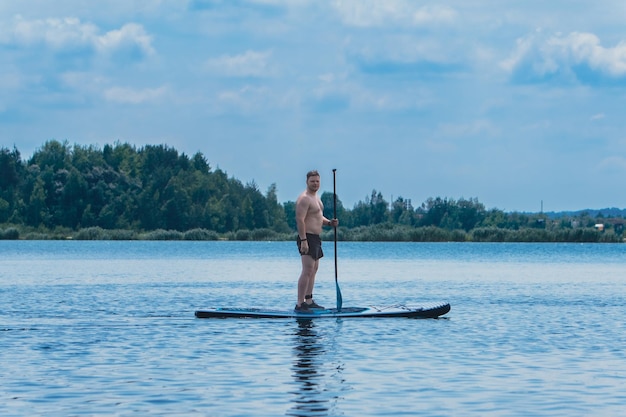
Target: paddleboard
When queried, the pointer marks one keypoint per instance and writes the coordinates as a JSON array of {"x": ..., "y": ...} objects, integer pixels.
[{"x": 425, "y": 312}]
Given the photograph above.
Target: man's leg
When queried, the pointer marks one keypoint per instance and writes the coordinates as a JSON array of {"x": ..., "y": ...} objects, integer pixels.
[
  {"x": 307, "y": 277},
  {"x": 311, "y": 282}
]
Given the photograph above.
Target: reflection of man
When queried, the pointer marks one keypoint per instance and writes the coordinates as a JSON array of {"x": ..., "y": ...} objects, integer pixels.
[
  {"x": 309, "y": 220},
  {"x": 312, "y": 394}
]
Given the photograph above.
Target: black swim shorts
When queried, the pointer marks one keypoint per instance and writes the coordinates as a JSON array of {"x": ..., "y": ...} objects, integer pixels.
[{"x": 315, "y": 246}]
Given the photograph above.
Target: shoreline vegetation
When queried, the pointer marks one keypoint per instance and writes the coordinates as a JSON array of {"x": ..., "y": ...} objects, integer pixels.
[
  {"x": 376, "y": 233},
  {"x": 122, "y": 192}
]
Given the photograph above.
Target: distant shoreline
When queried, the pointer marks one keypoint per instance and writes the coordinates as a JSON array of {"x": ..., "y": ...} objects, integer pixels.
[{"x": 375, "y": 233}]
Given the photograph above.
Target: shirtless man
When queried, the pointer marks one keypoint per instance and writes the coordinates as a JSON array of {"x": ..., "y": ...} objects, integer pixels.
[{"x": 309, "y": 220}]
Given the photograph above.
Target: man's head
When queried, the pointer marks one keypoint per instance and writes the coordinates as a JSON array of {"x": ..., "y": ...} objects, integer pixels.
[
  {"x": 313, "y": 180},
  {"x": 312, "y": 173}
]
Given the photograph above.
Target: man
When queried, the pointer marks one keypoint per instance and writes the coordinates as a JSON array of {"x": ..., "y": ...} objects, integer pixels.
[{"x": 309, "y": 220}]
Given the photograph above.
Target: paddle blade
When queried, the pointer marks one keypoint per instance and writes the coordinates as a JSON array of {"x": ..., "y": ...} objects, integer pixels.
[{"x": 339, "y": 298}]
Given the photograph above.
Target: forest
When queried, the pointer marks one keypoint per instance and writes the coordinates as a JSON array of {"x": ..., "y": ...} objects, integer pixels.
[{"x": 154, "y": 192}]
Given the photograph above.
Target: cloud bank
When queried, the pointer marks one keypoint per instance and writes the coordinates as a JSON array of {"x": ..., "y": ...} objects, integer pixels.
[{"x": 576, "y": 57}]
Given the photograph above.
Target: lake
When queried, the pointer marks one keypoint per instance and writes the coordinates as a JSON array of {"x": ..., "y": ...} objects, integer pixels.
[{"x": 108, "y": 328}]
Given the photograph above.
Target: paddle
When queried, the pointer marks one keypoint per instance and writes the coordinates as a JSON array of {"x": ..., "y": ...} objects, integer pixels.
[{"x": 339, "y": 298}]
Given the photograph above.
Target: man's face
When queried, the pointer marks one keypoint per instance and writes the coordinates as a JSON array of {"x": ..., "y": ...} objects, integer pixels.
[{"x": 313, "y": 183}]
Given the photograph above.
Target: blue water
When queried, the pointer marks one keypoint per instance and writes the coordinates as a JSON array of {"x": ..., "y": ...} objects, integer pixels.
[{"x": 107, "y": 328}]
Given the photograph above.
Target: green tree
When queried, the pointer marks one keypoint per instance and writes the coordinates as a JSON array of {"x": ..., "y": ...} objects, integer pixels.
[
  {"x": 4, "y": 210},
  {"x": 276, "y": 212},
  {"x": 53, "y": 154},
  {"x": 10, "y": 169},
  {"x": 37, "y": 208},
  {"x": 11, "y": 175},
  {"x": 435, "y": 210},
  {"x": 290, "y": 214},
  {"x": 470, "y": 213},
  {"x": 373, "y": 211},
  {"x": 73, "y": 200},
  {"x": 402, "y": 212},
  {"x": 328, "y": 200}
]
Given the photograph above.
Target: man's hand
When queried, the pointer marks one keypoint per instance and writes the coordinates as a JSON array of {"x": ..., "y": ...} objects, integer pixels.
[{"x": 304, "y": 246}]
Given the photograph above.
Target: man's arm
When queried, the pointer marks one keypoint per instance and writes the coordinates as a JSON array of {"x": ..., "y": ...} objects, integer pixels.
[
  {"x": 302, "y": 208},
  {"x": 330, "y": 222}
]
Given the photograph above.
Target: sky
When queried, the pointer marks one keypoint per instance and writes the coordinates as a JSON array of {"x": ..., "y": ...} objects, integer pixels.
[{"x": 519, "y": 104}]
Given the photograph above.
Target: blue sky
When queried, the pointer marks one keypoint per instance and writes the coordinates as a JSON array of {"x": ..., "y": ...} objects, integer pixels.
[{"x": 511, "y": 102}]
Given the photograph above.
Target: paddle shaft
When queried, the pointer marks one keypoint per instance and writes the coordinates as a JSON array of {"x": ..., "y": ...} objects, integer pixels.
[{"x": 339, "y": 298}]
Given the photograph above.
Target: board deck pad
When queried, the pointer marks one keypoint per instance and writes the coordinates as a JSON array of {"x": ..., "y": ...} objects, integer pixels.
[{"x": 426, "y": 311}]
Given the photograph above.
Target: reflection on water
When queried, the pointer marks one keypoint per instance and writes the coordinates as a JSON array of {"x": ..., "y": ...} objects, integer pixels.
[{"x": 314, "y": 371}]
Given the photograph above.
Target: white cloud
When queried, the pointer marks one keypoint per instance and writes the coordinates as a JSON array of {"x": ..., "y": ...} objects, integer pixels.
[
  {"x": 613, "y": 164},
  {"x": 130, "y": 36},
  {"x": 134, "y": 96},
  {"x": 248, "y": 64},
  {"x": 577, "y": 56},
  {"x": 246, "y": 99},
  {"x": 70, "y": 33},
  {"x": 56, "y": 33},
  {"x": 367, "y": 13},
  {"x": 434, "y": 15},
  {"x": 406, "y": 52},
  {"x": 585, "y": 48}
]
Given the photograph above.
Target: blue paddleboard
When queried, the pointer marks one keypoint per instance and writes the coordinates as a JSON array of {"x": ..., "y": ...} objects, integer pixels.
[{"x": 425, "y": 311}]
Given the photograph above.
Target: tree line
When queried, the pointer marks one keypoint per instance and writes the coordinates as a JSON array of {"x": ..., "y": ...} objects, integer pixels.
[{"x": 156, "y": 192}]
